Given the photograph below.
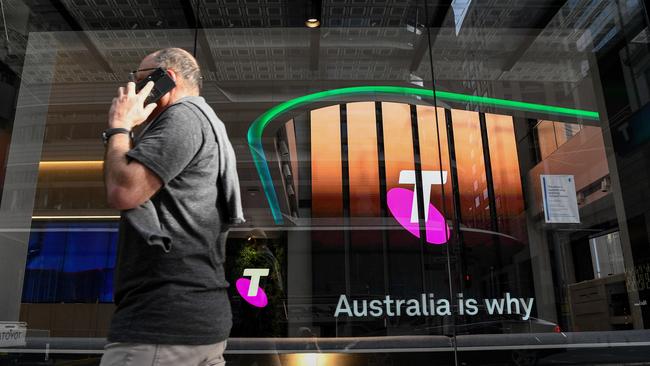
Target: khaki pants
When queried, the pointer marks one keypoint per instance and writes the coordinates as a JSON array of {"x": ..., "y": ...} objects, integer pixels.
[{"x": 134, "y": 354}]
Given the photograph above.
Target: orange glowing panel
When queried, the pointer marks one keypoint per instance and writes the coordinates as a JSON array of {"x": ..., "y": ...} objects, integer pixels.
[
  {"x": 362, "y": 159},
  {"x": 505, "y": 173},
  {"x": 70, "y": 171},
  {"x": 398, "y": 141},
  {"x": 430, "y": 128},
  {"x": 326, "y": 176},
  {"x": 505, "y": 164},
  {"x": 470, "y": 165}
]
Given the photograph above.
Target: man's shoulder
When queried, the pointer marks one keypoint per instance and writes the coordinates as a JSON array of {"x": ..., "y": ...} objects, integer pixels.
[
  {"x": 182, "y": 117},
  {"x": 194, "y": 108},
  {"x": 182, "y": 110}
]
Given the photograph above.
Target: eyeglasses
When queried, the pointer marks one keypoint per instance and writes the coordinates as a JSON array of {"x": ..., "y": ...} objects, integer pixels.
[{"x": 134, "y": 72}]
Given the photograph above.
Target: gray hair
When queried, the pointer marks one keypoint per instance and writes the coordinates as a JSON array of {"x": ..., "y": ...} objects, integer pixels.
[{"x": 182, "y": 62}]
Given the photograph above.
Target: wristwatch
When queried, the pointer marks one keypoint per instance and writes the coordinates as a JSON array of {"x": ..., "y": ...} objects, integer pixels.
[{"x": 114, "y": 131}]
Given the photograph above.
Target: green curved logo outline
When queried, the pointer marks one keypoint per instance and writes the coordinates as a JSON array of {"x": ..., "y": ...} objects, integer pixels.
[{"x": 256, "y": 129}]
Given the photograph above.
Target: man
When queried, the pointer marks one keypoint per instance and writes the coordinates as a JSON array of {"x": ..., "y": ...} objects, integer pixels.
[{"x": 177, "y": 189}]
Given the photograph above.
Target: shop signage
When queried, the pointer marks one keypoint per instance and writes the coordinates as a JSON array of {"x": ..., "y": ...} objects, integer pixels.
[
  {"x": 429, "y": 305},
  {"x": 403, "y": 205},
  {"x": 250, "y": 290},
  {"x": 256, "y": 129},
  {"x": 559, "y": 198},
  {"x": 12, "y": 334}
]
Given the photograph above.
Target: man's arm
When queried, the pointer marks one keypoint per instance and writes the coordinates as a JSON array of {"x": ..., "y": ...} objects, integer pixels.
[{"x": 128, "y": 183}]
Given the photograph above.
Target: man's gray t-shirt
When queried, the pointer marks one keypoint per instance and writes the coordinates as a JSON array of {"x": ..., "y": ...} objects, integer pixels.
[{"x": 178, "y": 295}]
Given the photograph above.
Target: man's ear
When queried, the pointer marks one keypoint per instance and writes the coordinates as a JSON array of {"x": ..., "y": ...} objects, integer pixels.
[{"x": 172, "y": 74}]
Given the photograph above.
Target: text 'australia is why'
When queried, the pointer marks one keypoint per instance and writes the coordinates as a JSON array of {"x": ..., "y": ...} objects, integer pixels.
[{"x": 428, "y": 305}]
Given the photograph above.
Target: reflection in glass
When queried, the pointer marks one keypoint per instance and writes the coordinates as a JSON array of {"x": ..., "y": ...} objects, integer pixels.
[
  {"x": 472, "y": 183},
  {"x": 326, "y": 175},
  {"x": 506, "y": 177},
  {"x": 363, "y": 159},
  {"x": 398, "y": 141}
]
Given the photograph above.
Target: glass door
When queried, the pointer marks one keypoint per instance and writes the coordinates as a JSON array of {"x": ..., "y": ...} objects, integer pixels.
[{"x": 548, "y": 253}]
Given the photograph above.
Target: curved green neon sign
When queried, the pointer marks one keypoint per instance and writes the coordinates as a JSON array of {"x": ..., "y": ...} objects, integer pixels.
[{"x": 257, "y": 127}]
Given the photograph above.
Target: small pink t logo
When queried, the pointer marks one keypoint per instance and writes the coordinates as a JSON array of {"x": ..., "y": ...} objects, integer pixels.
[{"x": 250, "y": 290}]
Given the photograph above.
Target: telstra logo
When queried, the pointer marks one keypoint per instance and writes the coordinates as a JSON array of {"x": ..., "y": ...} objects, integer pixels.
[
  {"x": 250, "y": 290},
  {"x": 403, "y": 205}
]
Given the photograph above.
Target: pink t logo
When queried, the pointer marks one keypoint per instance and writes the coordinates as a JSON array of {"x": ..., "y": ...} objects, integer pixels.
[
  {"x": 250, "y": 290},
  {"x": 403, "y": 205}
]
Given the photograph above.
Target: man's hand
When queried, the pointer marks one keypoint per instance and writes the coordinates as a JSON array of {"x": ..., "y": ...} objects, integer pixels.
[
  {"x": 128, "y": 184},
  {"x": 128, "y": 110}
]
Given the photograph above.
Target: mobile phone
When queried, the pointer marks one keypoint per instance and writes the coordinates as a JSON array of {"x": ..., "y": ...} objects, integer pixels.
[{"x": 163, "y": 83}]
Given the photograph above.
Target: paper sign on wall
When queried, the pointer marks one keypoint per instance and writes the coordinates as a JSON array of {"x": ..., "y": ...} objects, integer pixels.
[
  {"x": 560, "y": 202},
  {"x": 12, "y": 334}
]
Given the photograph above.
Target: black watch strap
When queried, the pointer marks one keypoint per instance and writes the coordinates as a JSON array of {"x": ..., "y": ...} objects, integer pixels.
[{"x": 106, "y": 135}]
